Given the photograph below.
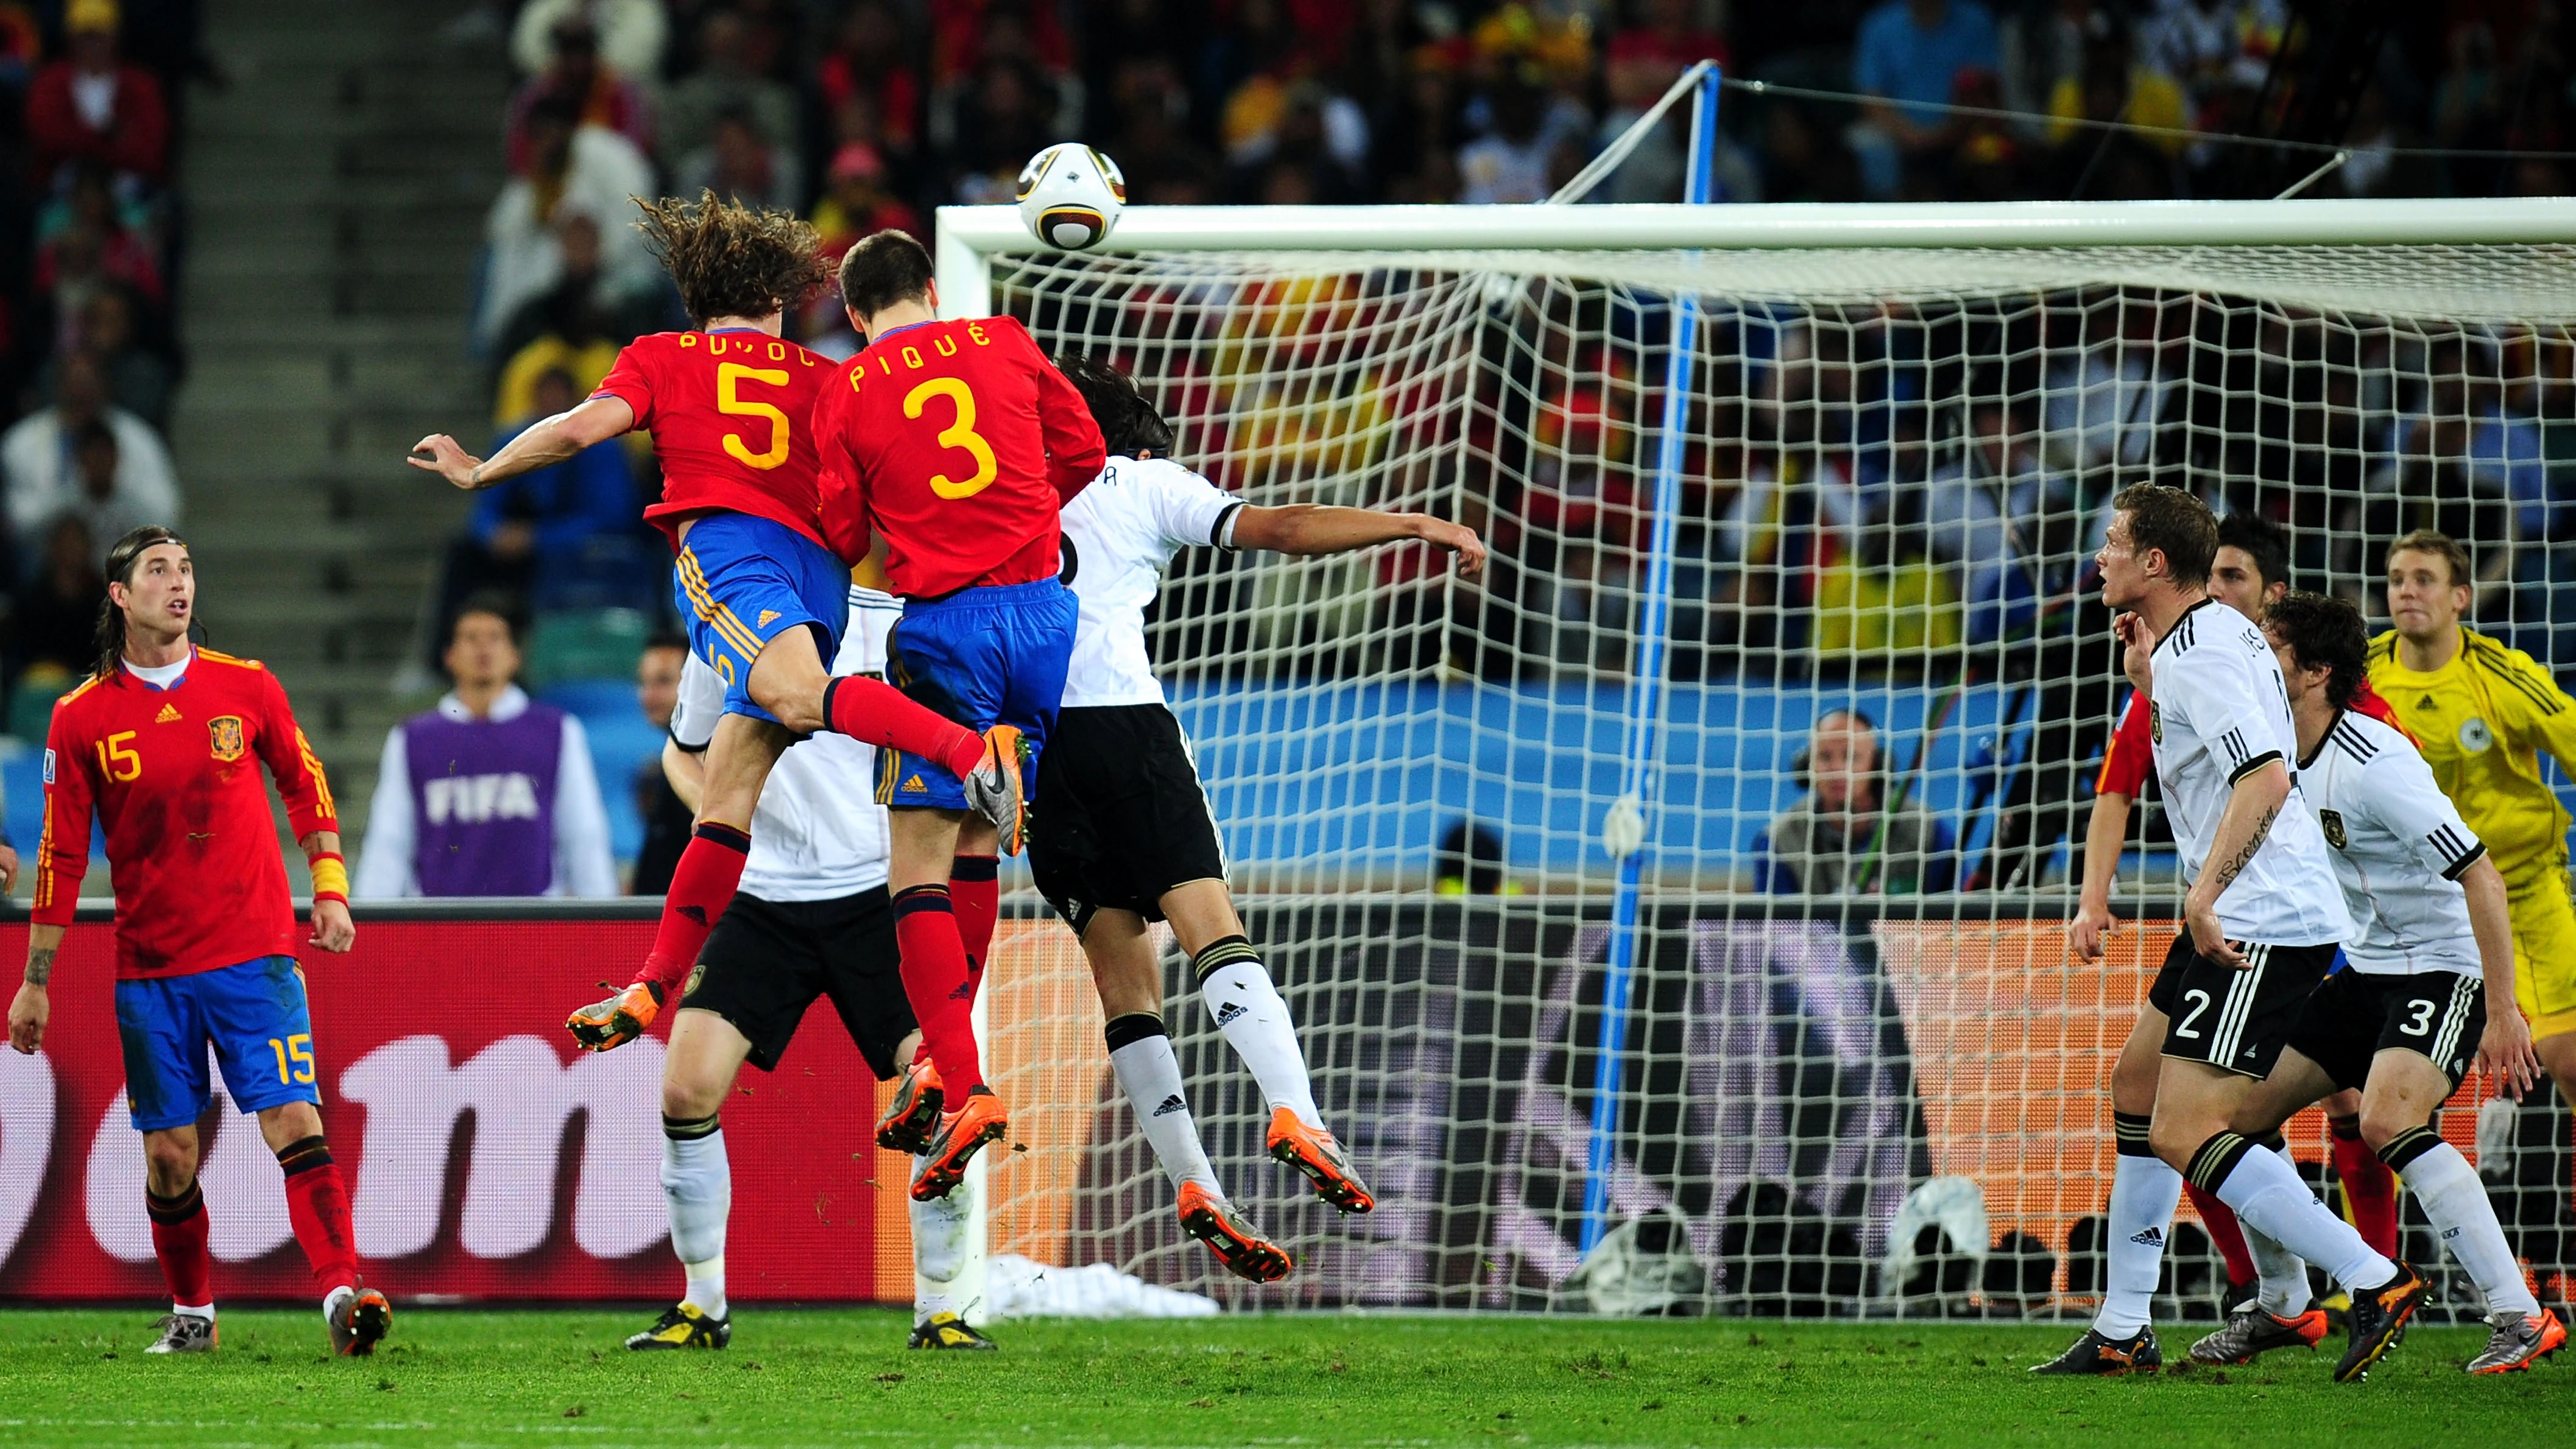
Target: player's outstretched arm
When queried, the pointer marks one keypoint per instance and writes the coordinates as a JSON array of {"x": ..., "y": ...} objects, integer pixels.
[
  {"x": 1309, "y": 529},
  {"x": 33, "y": 1005},
  {"x": 2252, "y": 806},
  {"x": 2504, "y": 1053},
  {"x": 542, "y": 445}
]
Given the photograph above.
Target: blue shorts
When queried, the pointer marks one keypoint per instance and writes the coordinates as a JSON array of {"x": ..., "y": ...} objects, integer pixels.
[
  {"x": 254, "y": 1016},
  {"x": 743, "y": 581},
  {"x": 982, "y": 657}
]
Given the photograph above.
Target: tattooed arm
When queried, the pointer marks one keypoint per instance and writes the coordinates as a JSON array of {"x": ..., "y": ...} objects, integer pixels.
[
  {"x": 2252, "y": 806},
  {"x": 29, "y": 1012}
]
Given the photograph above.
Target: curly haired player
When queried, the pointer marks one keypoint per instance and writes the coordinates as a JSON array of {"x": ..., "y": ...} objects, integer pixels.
[
  {"x": 164, "y": 744},
  {"x": 729, "y": 407}
]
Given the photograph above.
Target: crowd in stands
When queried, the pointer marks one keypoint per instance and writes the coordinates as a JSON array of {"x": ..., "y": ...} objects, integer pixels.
[{"x": 91, "y": 94}]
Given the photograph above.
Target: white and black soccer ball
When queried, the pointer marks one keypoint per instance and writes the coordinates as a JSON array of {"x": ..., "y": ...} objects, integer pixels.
[{"x": 1071, "y": 196}]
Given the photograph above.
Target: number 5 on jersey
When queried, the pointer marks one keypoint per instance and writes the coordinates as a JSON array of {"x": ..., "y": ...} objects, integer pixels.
[
  {"x": 730, "y": 376},
  {"x": 117, "y": 759}
]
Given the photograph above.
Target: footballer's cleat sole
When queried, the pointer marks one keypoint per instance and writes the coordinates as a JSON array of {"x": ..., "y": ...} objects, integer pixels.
[
  {"x": 2379, "y": 1318},
  {"x": 2519, "y": 1342},
  {"x": 1314, "y": 1152},
  {"x": 980, "y": 1119},
  {"x": 182, "y": 1333},
  {"x": 1244, "y": 1252},
  {"x": 607, "y": 1025},
  {"x": 682, "y": 1325},
  {"x": 947, "y": 1330},
  {"x": 2251, "y": 1333},
  {"x": 996, "y": 790},
  {"x": 362, "y": 1322},
  {"x": 912, "y": 1119},
  {"x": 2107, "y": 1357}
]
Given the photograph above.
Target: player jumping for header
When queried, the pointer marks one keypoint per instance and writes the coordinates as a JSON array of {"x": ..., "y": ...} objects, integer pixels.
[
  {"x": 958, "y": 443},
  {"x": 2431, "y": 946},
  {"x": 730, "y": 408},
  {"x": 164, "y": 743},
  {"x": 2262, "y": 919},
  {"x": 1120, "y": 833}
]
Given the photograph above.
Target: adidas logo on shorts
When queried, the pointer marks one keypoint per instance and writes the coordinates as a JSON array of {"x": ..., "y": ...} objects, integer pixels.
[
  {"x": 1171, "y": 1104},
  {"x": 2151, "y": 1238}
]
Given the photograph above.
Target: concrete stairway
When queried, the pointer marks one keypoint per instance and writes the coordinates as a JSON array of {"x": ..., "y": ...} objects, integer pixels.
[{"x": 336, "y": 194}]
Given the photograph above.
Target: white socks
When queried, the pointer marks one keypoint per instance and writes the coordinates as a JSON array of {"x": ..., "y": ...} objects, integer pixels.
[
  {"x": 206, "y": 1311},
  {"x": 697, "y": 1186},
  {"x": 2144, "y": 1192},
  {"x": 2283, "y": 1275},
  {"x": 938, "y": 1247},
  {"x": 1140, "y": 1052},
  {"x": 2272, "y": 1199},
  {"x": 1248, "y": 1009},
  {"x": 2455, "y": 1200}
]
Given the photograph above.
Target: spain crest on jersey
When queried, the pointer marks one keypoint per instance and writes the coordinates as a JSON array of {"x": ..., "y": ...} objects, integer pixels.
[
  {"x": 2332, "y": 820},
  {"x": 225, "y": 732}
]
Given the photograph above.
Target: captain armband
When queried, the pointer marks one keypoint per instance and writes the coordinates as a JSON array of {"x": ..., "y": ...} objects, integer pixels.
[{"x": 330, "y": 877}]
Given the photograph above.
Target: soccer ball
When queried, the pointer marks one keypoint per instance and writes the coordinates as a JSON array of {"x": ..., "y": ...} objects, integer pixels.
[{"x": 1071, "y": 196}]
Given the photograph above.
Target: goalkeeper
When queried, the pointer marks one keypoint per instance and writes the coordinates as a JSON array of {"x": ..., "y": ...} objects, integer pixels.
[{"x": 1121, "y": 833}]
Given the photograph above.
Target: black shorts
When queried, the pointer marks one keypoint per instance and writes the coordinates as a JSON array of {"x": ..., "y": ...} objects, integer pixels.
[
  {"x": 2439, "y": 1015},
  {"x": 2235, "y": 1020},
  {"x": 1120, "y": 816},
  {"x": 766, "y": 961}
]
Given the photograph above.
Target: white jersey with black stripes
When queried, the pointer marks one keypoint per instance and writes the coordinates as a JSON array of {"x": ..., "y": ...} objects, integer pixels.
[
  {"x": 2398, "y": 847},
  {"x": 1119, "y": 533},
  {"x": 2217, "y": 711}
]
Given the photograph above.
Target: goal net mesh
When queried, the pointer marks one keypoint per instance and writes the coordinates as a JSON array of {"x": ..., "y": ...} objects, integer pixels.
[{"x": 1856, "y": 1075}]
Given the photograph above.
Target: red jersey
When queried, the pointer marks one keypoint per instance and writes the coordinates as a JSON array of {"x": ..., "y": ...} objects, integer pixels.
[
  {"x": 961, "y": 443},
  {"x": 730, "y": 415},
  {"x": 2130, "y": 757},
  {"x": 174, "y": 775}
]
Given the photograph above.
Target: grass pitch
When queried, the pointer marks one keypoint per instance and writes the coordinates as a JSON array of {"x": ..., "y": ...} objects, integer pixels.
[{"x": 474, "y": 1378}]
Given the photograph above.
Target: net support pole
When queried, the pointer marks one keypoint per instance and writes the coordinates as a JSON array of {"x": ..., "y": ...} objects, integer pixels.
[{"x": 1627, "y": 830}]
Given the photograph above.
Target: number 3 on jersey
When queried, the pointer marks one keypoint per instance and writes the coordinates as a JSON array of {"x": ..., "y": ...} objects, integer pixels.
[
  {"x": 959, "y": 434},
  {"x": 730, "y": 376}
]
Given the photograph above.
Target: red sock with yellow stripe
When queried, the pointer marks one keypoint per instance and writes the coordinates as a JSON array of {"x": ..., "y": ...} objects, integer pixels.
[
  {"x": 702, "y": 885},
  {"x": 874, "y": 712}
]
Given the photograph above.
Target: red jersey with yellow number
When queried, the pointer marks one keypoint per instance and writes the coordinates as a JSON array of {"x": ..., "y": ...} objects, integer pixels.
[
  {"x": 2130, "y": 757},
  {"x": 173, "y": 774},
  {"x": 730, "y": 415},
  {"x": 961, "y": 443}
]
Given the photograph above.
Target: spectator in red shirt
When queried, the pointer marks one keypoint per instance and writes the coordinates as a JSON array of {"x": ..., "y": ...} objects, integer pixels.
[
  {"x": 599, "y": 96},
  {"x": 867, "y": 68},
  {"x": 90, "y": 106}
]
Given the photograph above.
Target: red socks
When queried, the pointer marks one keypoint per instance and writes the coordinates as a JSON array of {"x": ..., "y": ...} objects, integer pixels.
[
  {"x": 975, "y": 891},
  {"x": 875, "y": 712},
  {"x": 2369, "y": 1188},
  {"x": 318, "y": 1206},
  {"x": 935, "y": 980},
  {"x": 179, "y": 1241},
  {"x": 702, "y": 885},
  {"x": 2220, "y": 1219}
]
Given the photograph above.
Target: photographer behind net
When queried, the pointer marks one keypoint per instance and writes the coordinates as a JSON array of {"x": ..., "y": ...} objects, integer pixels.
[{"x": 1843, "y": 835}]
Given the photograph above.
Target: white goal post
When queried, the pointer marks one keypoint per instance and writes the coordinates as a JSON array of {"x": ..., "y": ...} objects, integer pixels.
[{"x": 1867, "y": 507}]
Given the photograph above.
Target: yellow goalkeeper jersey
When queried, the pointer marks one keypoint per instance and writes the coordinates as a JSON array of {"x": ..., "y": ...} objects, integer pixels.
[{"x": 2482, "y": 720}]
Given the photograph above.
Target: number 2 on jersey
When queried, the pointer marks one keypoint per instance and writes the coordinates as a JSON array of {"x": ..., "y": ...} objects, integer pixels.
[
  {"x": 729, "y": 400},
  {"x": 960, "y": 434}
]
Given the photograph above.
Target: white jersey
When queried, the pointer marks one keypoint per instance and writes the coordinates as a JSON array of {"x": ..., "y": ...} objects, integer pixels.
[
  {"x": 818, "y": 833},
  {"x": 1118, "y": 535},
  {"x": 2217, "y": 711},
  {"x": 2398, "y": 846}
]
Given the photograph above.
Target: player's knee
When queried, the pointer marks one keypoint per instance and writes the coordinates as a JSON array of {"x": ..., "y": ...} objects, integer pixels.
[
  {"x": 2385, "y": 1122},
  {"x": 691, "y": 1096},
  {"x": 2176, "y": 1138},
  {"x": 172, "y": 1163}
]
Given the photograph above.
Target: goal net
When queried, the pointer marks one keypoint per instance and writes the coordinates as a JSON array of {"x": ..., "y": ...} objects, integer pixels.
[{"x": 1792, "y": 525}]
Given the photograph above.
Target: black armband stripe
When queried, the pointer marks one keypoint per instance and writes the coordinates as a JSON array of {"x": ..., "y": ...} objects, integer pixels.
[
  {"x": 686, "y": 748},
  {"x": 2460, "y": 867},
  {"x": 1216, "y": 530},
  {"x": 2250, "y": 766}
]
